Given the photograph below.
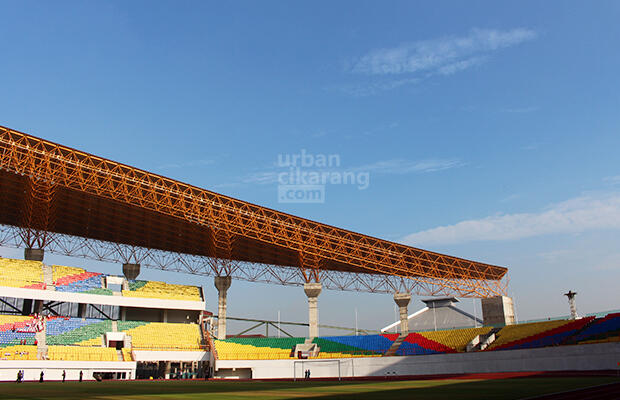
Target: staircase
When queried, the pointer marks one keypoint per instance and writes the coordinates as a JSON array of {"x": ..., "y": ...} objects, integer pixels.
[
  {"x": 48, "y": 277},
  {"x": 395, "y": 346},
  {"x": 120, "y": 355},
  {"x": 481, "y": 342},
  {"x": 114, "y": 326}
]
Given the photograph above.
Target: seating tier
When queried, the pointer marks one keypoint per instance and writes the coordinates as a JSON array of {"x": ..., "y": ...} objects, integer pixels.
[
  {"x": 78, "y": 353},
  {"x": 163, "y": 336},
  {"x": 21, "y": 273},
  {"x": 9, "y": 327},
  {"x": 18, "y": 352},
  {"x": 162, "y": 290}
]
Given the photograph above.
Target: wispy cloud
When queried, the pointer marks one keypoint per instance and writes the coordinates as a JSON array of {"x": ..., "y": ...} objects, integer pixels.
[
  {"x": 386, "y": 167},
  {"x": 187, "y": 164},
  {"x": 455, "y": 67},
  {"x": 444, "y": 55},
  {"x": 261, "y": 178},
  {"x": 612, "y": 180},
  {"x": 372, "y": 88},
  {"x": 400, "y": 166},
  {"x": 571, "y": 216}
]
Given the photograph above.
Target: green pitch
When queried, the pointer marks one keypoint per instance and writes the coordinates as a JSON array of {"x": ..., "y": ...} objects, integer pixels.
[{"x": 436, "y": 389}]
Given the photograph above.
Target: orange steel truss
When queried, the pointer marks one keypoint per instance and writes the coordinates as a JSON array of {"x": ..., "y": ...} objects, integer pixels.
[{"x": 75, "y": 203}]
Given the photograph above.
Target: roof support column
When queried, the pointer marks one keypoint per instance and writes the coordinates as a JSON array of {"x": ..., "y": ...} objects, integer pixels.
[
  {"x": 402, "y": 301},
  {"x": 131, "y": 271},
  {"x": 222, "y": 283},
  {"x": 33, "y": 254},
  {"x": 313, "y": 289}
]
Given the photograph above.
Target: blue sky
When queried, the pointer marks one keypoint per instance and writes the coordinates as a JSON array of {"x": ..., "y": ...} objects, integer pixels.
[{"x": 488, "y": 131}]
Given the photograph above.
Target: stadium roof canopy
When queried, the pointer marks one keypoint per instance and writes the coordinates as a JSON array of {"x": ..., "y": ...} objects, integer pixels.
[{"x": 51, "y": 192}]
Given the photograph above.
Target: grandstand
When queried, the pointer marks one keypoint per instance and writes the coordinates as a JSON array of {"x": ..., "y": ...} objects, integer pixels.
[
  {"x": 109, "y": 331},
  {"x": 54, "y": 317}
]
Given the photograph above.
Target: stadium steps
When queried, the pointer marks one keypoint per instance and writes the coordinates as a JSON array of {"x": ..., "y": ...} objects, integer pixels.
[
  {"x": 48, "y": 277},
  {"x": 119, "y": 353},
  {"x": 395, "y": 346},
  {"x": 114, "y": 326},
  {"x": 482, "y": 341}
]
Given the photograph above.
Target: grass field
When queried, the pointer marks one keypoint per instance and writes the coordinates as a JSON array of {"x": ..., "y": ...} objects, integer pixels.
[{"x": 497, "y": 389}]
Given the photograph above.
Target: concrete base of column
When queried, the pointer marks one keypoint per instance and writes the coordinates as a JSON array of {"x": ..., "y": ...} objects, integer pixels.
[
  {"x": 34, "y": 254},
  {"x": 498, "y": 311},
  {"x": 222, "y": 283},
  {"x": 313, "y": 290},
  {"x": 402, "y": 301}
]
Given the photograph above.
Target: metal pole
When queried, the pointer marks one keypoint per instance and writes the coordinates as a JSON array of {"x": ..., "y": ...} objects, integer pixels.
[
  {"x": 279, "y": 323},
  {"x": 356, "y": 333},
  {"x": 475, "y": 313},
  {"x": 434, "y": 317}
]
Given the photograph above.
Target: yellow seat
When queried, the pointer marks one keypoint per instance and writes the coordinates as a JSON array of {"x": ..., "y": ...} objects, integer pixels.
[{"x": 166, "y": 336}]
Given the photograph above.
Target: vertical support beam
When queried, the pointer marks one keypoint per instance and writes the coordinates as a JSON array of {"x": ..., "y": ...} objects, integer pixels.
[
  {"x": 402, "y": 301},
  {"x": 222, "y": 283},
  {"x": 81, "y": 310},
  {"x": 38, "y": 306},
  {"x": 27, "y": 307},
  {"x": 312, "y": 290}
]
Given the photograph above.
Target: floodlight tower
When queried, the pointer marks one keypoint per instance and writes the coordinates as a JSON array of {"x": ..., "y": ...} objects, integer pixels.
[{"x": 571, "y": 302}]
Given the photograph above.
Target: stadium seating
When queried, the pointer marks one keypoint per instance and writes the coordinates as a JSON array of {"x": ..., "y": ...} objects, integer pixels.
[
  {"x": 77, "y": 280},
  {"x": 227, "y": 350},
  {"x": 365, "y": 345},
  {"x": 77, "y": 353},
  {"x": 127, "y": 355},
  {"x": 9, "y": 326},
  {"x": 18, "y": 352},
  {"x": 21, "y": 273},
  {"x": 605, "y": 329},
  {"x": 162, "y": 290},
  {"x": 417, "y": 344},
  {"x": 29, "y": 274},
  {"x": 162, "y": 336},
  {"x": 456, "y": 339},
  {"x": 76, "y": 331},
  {"x": 514, "y": 333},
  {"x": 552, "y": 337},
  {"x": 256, "y": 348}
]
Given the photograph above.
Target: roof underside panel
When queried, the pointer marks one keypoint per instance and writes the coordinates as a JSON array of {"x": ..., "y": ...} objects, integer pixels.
[{"x": 100, "y": 199}]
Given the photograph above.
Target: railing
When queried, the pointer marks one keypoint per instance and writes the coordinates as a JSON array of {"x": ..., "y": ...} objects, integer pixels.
[
  {"x": 195, "y": 347},
  {"x": 286, "y": 356}
]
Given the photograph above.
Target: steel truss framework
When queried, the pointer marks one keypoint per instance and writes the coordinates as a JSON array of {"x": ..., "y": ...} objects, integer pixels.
[
  {"x": 10, "y": 236},
  {"x": 75, "y": 203}
]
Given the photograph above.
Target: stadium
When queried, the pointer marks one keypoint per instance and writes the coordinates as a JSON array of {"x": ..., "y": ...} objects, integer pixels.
[{"x": 67, "y": 323}]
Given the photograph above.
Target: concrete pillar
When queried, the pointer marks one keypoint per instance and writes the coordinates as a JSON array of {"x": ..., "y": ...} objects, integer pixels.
[
  {"x": 38, "y": 307},
  {"x": 81, "y": 310},
  {"x": 27, "y": 307},
  {"x": 312, "y": 291},
  {"x": 498, "y": 311},
  {"x": 222, "y": 283},
  {"x": 131, "y": 271},
  {"x": 34, "y": 254},
  {"x": 402, "y": 301}
]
